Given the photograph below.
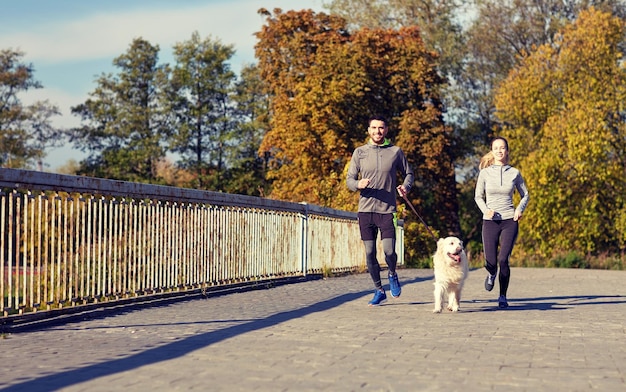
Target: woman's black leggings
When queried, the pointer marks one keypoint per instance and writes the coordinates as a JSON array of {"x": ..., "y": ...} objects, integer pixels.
[{"x": 500, "y": 234}]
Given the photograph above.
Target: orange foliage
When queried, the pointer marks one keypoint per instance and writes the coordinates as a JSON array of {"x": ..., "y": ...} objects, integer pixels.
[{"x": 325, "y": 82}]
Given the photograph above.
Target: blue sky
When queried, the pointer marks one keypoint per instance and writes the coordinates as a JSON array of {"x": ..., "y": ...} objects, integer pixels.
[{"x": 72, "y": 42}]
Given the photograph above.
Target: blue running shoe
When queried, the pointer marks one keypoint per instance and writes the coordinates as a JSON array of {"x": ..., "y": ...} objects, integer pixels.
[
  {"x": 502, "y": 303},
  {"x": 379, "y": 298},
  {"x": 394, "y": 285}
]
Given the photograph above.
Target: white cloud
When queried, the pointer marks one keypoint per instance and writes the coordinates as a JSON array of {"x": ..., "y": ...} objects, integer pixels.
[
  {"x": 107, "y": 35},
  {"x": 64, "y": 44},
  {"x": 58, "y": 156},
  {"x": 62, "y": 99}
]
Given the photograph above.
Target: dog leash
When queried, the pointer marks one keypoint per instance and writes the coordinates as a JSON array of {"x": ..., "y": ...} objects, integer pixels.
[{"x": 418, "y": 215}]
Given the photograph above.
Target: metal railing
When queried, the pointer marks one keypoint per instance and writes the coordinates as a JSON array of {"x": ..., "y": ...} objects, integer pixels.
[{"x": 70, "y": 241}]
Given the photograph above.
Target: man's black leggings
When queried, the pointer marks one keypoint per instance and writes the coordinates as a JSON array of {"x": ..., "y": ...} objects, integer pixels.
[
  {"x": 369, "y": 224},
  {"x": 502, "y": 234},
  {"x": 373, "y": 266}
]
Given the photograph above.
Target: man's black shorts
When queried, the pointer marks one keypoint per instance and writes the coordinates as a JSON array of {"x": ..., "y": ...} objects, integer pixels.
[{"x": 371, "y": 222}]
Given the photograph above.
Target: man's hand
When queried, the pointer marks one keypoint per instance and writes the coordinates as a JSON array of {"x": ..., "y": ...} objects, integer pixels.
[{"x": 363, "y": 183}]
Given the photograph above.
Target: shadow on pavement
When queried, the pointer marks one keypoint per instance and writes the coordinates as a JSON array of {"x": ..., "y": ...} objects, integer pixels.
[
  {"x": 548, "y": 303},
  {"x": 184, "y": 346}
]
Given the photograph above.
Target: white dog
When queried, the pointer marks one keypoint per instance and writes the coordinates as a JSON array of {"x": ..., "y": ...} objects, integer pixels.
[{"x": 451, "y": 269}]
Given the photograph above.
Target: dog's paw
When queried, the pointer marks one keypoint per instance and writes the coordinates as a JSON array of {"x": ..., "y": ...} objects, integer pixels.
[
  {"x": 437, "y": 310},
  {"x": 453, "y": 308}
]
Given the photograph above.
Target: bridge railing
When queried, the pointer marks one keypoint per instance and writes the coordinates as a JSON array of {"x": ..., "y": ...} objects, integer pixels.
[{"x": 71, "y": 241}]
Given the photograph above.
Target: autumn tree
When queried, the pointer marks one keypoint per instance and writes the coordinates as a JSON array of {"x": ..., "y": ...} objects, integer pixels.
[
  {"x": 501, "y": 32},
  {"x": 439, "y": 21},
  {"x": 199, "y": 96},
  {"x": 124, "y": 125},
  {"x": 403, "y": 78},
  {"x": 324, "y": 83},
  {"x": 25, "y": 130},
  {"x": 563, "y": 110},
  {"x": 498, "y": 35},
  {"x": 303, "y": 143}
]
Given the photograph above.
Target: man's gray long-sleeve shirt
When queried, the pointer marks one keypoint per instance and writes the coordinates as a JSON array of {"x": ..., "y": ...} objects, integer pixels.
[
  {"x": 494, "y": 191},
  {"x": 381, "y": 165}
]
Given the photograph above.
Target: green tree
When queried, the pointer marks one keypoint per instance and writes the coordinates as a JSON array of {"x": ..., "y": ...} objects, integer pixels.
[
  {"x": 124, "y": 124},
  {"x": 200, "y": 98},
  {"x": 248, "y": 169},
  {"x": 25, "y": 131},
  {"x": 564, "y": 115},
  {"x": 43, "y": 134}
]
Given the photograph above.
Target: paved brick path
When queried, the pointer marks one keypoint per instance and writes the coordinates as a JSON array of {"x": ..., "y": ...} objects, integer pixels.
[{"x": 564, "y": 331}]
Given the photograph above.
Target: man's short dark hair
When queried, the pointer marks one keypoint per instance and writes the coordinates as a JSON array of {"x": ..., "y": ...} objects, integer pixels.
[{"x": 378, "y": 118}]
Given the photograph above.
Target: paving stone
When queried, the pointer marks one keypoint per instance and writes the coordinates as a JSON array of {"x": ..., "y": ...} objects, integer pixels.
[{"x": 564, "y": 331}]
